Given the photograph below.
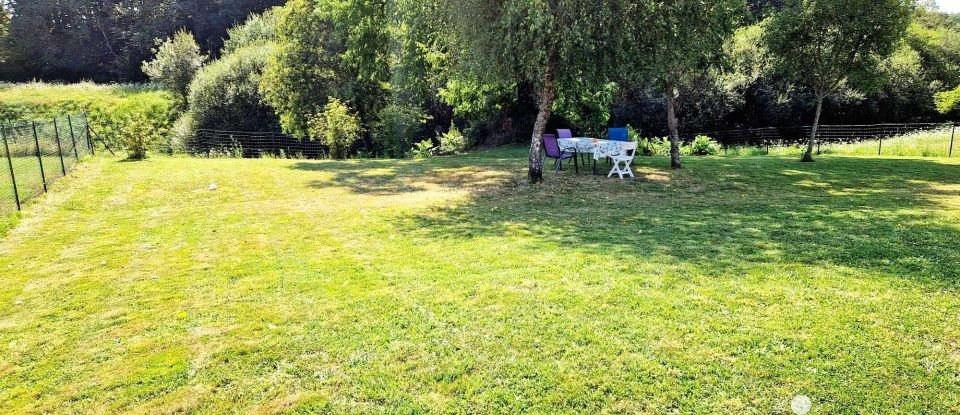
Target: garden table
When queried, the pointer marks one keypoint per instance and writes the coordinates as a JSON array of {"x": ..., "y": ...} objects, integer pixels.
[{"x": 601, "y": 149}]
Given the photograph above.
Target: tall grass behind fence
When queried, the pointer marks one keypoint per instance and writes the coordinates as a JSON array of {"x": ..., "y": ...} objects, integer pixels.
[
  {"x": 216, "y": 143},
  {"x": 35, "y": 154},
  {"x": 915, "y": 139}
]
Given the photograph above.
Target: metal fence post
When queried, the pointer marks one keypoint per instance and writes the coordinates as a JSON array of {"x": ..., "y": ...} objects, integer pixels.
[
  {"x": 56, "y": 134},
  {"x": 880, "y": 150},
  {"x": 89, "y": 140},
  {"x": 953, "y": 133},
  {"x": 13, "y": 177},
  {"x": 73, "y": 138},
  {"x": 36, "y": 140}
]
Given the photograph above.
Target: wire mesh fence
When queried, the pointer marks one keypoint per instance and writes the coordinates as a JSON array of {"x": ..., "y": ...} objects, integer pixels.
[
  {"x": 869, "y": 138},
  {"x": 35, "y": 154},
  {"x": 217, "y": 143}
]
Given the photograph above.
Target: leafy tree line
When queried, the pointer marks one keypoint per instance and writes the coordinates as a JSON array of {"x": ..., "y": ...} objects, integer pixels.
[
  {"x": 106, "y": 40},
  {"x": 381, "y": 76}
]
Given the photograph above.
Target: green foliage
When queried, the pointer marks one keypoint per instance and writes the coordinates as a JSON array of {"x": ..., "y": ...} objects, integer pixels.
[
  {"x": 336, "y": 128},
  {"x": 548, "y": 46},
  {"x": 674, "y": 43},
  {"x": 453, "y": 141},
  {"x": 397, "y": 127},
  {"x": 138, "y": 126},
  {"x": 135, "y": 135},
  {"x": 328, "y": 48},
  {"x": 108, "y": 40},
  {"x": 422, "y": 150},
  {"x": 225, "y": 95},
  {"x": 948, "y": 101},
  {"x": 703, "y": 146},
  {"x": 830, "y": 44},
  {"x": 109, "y": 107},
  {"x": 653, "y": 146},
  {"x": 176, "y": 61},
  {"x": 258, "y": 29}
]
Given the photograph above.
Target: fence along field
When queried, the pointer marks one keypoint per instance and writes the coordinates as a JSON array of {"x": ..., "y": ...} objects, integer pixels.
[
  {"x": 35, "y": 154},
  {"x": 914, "y": 139}
]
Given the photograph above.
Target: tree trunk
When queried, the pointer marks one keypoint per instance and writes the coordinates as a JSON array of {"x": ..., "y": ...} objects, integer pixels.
[
  {"x": 544, "y": 109},
  {"x": 672, "y": 126},
  {"x": 808, "y": 156}
]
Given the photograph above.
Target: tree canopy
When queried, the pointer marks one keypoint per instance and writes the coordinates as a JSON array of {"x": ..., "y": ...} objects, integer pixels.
[
  {"x": 106, "y": 40},
  {"x": 547, "y": 45}
]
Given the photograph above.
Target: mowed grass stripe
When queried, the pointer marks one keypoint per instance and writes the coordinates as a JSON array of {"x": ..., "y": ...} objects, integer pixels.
[{"x": 450, "y": 286}]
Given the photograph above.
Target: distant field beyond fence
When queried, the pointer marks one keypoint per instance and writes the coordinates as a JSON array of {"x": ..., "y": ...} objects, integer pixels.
[
  {"x": 916, "y": 139},
  {"x": 35, "y": 154}
]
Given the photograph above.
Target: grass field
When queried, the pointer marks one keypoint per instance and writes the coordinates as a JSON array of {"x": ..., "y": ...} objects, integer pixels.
[
  {"x": 29, "y": 180},
  {"x": 449, "y": 286},
  {"x": 933, "y": 143}
]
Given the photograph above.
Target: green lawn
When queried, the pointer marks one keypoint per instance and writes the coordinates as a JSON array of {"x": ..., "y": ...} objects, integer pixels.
[
  {"x": 29, "y": 180},
  {"x": 450, "y": 286}
]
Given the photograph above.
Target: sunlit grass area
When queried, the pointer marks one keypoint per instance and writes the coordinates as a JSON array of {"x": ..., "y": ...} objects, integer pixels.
[
  {"x": 933, "y": 143},
  {"x": 450, "y": 286}
]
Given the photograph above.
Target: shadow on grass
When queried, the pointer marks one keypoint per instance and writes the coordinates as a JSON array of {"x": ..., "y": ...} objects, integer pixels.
[
  {"x": 392, "y": 177},
  {"x": 722, "y": 214}
]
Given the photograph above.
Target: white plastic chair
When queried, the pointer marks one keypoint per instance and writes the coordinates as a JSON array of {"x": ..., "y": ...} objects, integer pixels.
[{"x": 627, "y": 152}]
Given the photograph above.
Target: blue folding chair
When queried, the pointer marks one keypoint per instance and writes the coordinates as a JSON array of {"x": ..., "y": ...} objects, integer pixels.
[{"x": 619, "y": 134}]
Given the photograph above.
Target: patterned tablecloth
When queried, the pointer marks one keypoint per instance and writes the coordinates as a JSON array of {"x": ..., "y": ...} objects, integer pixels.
[{"x": 600, "y": 149}]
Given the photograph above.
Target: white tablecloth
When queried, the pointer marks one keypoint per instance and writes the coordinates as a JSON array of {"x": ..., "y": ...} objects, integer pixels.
[{"x": 600, "y": 149}]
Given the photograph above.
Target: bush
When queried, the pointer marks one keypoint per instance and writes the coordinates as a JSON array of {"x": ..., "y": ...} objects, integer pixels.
[
  {"x": 453, "y": 141},
  {"x": 653, "y": 146},
  {"x": 181, "y": 133},
  {"x": 948, "y": 101},
  {"x": 225, "y": 95},
  {"x": 396, "y": 127},
  {"x": 335, "y": 127},
  {"x": 175, "y": 63},
  {"x": 422, "y": 150},
  {"x": 258, "y": 29},
  {"x": 703, "y": 146}
]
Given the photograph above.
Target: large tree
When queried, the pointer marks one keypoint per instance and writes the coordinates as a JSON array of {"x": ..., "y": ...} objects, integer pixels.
[
  {"x": 829, "y": 45},
  {"x": 558, "y": 45},
  {"x": 676, "y": 42},
  {"x": 328, "y": 48}
]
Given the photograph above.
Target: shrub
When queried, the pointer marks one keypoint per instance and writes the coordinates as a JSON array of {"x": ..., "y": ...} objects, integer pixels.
[
  {"x": 258, "y": 29},
  {"x": 152, "y": 115},
  {"x": 137, "y": 134},
  {"x": 225, "y": 95},
  {"x": 453, "y": 141},
  {"x": 180, "y": 134},
  {"x": 653, "y": 146},
  {"x": 396, "y": 127},
  {"x": 335, "y": 127},
  {"x": 948, "y": 101},
  {"x": 175, "y": 63},
  {"x": 703, "y": 146},
  {"x": 422, "y": 150}
]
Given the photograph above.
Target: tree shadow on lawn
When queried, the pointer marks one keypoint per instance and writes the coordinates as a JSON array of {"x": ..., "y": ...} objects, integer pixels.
[
  {"x": 723, "y": 214},
  {"x": 893, "y": 216},
  {"x": 392, "y": 177}
]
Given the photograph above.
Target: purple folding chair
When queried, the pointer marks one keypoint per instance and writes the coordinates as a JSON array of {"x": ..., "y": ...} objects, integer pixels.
[
  {"x": 552, "y": 150},
  {"x": 564, "y": 134}
]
